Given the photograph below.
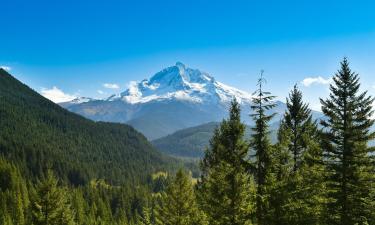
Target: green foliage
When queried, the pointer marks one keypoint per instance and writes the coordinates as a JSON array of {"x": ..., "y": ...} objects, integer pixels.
[
  {"x": 146, "y": 218},
  {"x": 298, "y": 121},
  {"x": 178, "y": 204},
  {"x": 14, "y": 199},
  {"x": 277, "y": 186},
  {"x": 189, "y": 142},
  {"x": 345, "y": 137},
  {"x": 224, "y": 186},
  {"x": 260, "y": 143},
  {"x": 299, "y": 185},
  {"x": 51, "y": 204},
  {"x": 50, "y": 201}
]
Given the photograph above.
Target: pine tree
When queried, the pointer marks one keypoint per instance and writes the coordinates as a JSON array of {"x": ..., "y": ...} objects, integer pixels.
[
  {"x": 50, "y": 206},
  {"x": 13, "y": 194},
  {"x": 224, "y": 189},
  {"x": 146, "y": 218},
  {"x": 303, "y": 187},
  {"x": 178, "y": 204},
  {"x": 6, "y": 219},
  {"x": 298, "y": 120},
  {"x": 278, "y": 184},
  {"x": 260, "y": 143},
  {"x": 4, "y": 214},
  {"x": 304, "y": 191},
  {"x": 79, "y": 205},
  {"x": 345, "y": 137},
  {"x": 307, "y": 188}
]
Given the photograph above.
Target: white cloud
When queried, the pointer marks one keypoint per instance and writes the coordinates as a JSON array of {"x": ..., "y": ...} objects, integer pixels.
[
  {"x": 316, "y": 106},
  {"x": 56, "y": 95},
  {"x": 7, "y": 68},
  {"x": 308, "y": 81},
  {"x": 101, "y": 92},
  {"x": 111, "y": 86}
]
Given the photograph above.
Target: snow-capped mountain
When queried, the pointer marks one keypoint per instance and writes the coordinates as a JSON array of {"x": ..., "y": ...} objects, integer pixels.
[
  {"x": 174, "y": 98},
  {"x": 181, "y": 83}
]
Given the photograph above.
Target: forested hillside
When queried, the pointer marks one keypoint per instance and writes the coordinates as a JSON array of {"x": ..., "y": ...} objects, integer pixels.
[
  {"x": 193, "y": 141},
  {"x": 94, "y": 172},
  {"x": 189, "y": 142},
  {"x": 37, "y": 134}
]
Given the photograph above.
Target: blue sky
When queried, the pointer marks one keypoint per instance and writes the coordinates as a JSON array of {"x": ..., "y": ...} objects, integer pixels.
[{"x": 79, "y": 46}]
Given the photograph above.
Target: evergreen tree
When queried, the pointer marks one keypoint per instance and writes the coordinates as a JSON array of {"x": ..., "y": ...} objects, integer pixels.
[
  {"x": 260, "y": 143},
  {"x": 50, "y": 206},
  {"x": 303, "y": 185},
  {"x": 146, "y": 218},
  {"x": 178, "y": 204},
  {"x": 298, "y": 120},
  {"x": 345, "y": 137},
  {"x": 79, "y": 204},
  {"x": 299, "y": 195},
  {"x": 7, "y": 220},
  {"x": 14, "y": 199},
  {"x": 307, "y": 188},
  {"x": 278, "y": 184},
  {"x": 224, "y": 189}
]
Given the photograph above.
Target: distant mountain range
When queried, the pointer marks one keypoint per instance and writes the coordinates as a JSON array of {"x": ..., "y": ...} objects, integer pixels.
[{"x": 175, "y": 98}]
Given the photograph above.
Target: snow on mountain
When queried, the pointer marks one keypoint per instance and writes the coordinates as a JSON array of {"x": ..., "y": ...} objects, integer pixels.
[
  {"x": 175, "y": 98},
  {"x": 77, "y": 101},
  {"x": 181, "y": 83},
  {"x": 80, "y": 100}
]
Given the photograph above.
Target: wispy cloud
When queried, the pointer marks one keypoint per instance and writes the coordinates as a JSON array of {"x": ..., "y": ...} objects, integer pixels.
[
  {"x": 111, "y": 86},
  {"x": 7, "y": 68},
  {"x": 101, "y": 92},
  {"x": 56, "y": 95},
  {"x": 308, "y": 81}
]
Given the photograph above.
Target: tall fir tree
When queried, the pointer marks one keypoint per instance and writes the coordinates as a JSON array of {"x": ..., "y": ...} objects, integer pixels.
[
  {"x": 298, "y": 120},
  {"x": 50, "y": 205},
  {"x": 260, "y": 143},
  {"x": 303, "y": 186},
  {"x": 225, "y": 186},
  {"x": 278, "y": 184},
  {"x": 307, "y": 187},
  {"x": 346, "y": 135},
  {"x": 178, "y": 205}
]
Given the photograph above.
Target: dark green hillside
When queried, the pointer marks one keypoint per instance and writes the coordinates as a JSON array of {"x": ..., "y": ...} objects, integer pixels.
[
  {"x": 189, "y": 142},
  {"x": 35, "y": 134},
  {"x": 192, "y": 141}
]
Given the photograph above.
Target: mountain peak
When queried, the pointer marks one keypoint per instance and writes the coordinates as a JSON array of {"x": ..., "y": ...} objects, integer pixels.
[
  {"x": 181, "y": 83},
  {"x": 180, "y": 65}
]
